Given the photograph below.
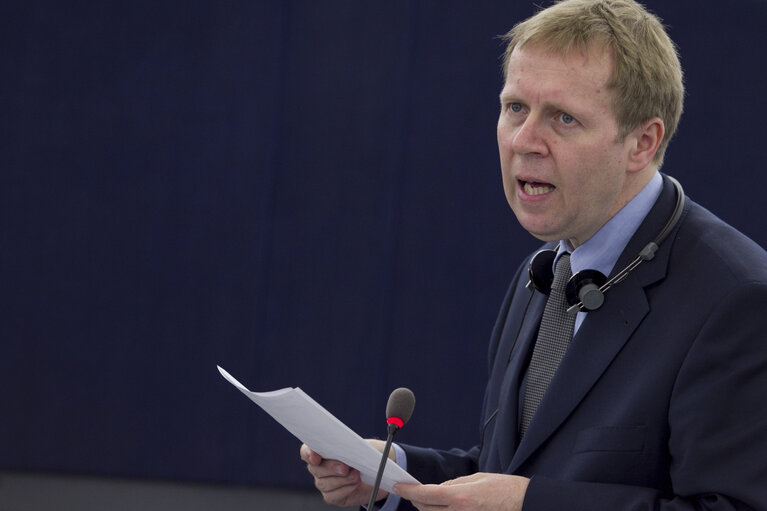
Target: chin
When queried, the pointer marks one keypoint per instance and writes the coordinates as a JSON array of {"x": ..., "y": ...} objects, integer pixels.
[
  {"x": 545, "y": 237},
  {"x": 538, "y": 231}
]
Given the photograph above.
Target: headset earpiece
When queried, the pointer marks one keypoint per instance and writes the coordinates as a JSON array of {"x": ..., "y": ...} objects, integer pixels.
[
  {"x": 541, "y": 271},
  {"x": 583, "y": 289}
]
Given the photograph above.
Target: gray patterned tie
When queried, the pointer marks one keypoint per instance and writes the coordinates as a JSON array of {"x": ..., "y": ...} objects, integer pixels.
[{"x": 553, "y": 338}]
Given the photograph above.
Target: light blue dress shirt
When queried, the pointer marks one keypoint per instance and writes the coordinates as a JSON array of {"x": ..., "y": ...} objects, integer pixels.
[{"x": 602, "y": 250}]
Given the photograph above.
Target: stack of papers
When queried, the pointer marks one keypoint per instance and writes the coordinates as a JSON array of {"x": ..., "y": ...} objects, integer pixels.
[{"x": 323, "y": 433}]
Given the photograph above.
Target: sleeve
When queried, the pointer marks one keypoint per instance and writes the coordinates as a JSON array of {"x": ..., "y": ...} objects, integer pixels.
[
  {"x": 717, "y": 418},
  {"x": 433, "y": 466},
  {"x": 392, "y": 502}
]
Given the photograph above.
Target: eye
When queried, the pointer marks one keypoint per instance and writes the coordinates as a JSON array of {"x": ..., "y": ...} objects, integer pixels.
[
  {"x": 515, "y": 107},
  {"x": 566, "y": 118}
]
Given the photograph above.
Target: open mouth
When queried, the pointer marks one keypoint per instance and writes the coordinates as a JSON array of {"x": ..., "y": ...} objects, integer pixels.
[{"x": 536, "y": 188}]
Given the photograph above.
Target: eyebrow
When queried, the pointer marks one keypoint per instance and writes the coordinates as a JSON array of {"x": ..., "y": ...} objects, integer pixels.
[{"x": 503, "y": 97}]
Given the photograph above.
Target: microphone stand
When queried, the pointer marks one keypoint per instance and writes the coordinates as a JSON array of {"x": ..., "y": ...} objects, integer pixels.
[{"x": 391, "y": 429}]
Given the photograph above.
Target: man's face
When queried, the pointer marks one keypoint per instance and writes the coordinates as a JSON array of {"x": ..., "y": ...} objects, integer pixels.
[{"x": 564, "y": 169}]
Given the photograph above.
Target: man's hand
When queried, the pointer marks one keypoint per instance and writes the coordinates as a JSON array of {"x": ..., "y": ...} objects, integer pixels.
[
  {"x": 339, "y": 484},
  {"x": 477, "y": 492}
]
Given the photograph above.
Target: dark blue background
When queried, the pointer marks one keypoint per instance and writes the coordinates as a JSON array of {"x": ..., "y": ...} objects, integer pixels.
[{"x": 307, "y": 193}]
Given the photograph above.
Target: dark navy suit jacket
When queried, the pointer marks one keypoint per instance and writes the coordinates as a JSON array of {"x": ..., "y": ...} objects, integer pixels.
[{"x": 661, "y": 399}]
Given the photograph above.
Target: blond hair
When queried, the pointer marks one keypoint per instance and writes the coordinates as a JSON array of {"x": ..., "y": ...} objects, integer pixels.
[{"x": 647, "y": 79}]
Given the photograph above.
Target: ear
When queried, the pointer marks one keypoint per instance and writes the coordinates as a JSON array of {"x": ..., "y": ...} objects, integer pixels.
[{"x": 643, "y": 143}]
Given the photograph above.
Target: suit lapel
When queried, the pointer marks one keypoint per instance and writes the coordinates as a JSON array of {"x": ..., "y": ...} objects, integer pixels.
[{"x": 590, "y": 353}]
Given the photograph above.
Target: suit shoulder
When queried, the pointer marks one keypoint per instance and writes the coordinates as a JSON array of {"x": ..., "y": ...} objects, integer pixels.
[{"x": 719, "y": 250}]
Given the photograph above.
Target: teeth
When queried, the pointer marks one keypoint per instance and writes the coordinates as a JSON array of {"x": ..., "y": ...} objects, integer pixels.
[{"x": 537, "y": 190}]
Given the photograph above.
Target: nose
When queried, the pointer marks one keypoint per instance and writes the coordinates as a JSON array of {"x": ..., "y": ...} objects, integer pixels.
[{"x": 527, "y": 137}]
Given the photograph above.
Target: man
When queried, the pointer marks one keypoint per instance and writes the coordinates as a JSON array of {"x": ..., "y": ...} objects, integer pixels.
[{"x": 656, "y": 399}]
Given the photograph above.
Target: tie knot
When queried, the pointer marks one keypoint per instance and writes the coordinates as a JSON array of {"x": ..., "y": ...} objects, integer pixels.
[{"x": 562, "y": 272}]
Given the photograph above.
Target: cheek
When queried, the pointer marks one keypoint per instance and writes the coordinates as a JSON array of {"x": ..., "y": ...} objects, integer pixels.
[
  {"x": 599, "y": 182},
  {"x": 509, "y": 186},
  {"x": 505, "y": 136},
  {"x": 504, "y": 150},
  {"x": 581, "y": 180}
]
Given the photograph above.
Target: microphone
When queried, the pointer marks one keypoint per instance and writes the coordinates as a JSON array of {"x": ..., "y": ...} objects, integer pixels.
[{"x": 399, "y": 408}]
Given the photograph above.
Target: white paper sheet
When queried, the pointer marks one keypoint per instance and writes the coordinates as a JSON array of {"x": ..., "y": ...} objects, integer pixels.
[{"x": 323, "y": 433}]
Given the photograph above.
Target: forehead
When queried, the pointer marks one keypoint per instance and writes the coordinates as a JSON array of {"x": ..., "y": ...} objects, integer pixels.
[{"x": 539, "y": 72}]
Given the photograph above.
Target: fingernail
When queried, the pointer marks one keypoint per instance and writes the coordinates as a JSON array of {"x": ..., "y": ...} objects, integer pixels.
[
  {"x": 340, "y": 470},
  {"x": 395, "y": 489}
]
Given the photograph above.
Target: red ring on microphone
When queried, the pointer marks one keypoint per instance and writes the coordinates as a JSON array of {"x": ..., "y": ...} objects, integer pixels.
[{"x": 395, "y": 420}]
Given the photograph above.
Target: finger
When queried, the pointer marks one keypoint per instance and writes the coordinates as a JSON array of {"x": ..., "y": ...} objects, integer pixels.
[
  {"x": 333, "y": 483},
  {"x": 348, "y": 491},
  {"x": 320, "y": 467},
  {"x": 420, "y": 506},
  {"x": 428, "y": 507},
  {"x": 463, "y": 480},
  {"x": 340, "y": 496},
  {"x": 336, "y": 485},
  {"x": 329, "y": 468},
  {"x": 309, "y": 456},
  {"x": 423, "y": 494}
]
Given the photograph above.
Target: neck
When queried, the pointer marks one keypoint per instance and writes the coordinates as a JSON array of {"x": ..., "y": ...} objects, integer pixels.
[{"x": 635, "y": 183}]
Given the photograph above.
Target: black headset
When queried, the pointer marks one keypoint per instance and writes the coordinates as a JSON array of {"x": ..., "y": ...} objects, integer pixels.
[{"x": 586, "y": 289}]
